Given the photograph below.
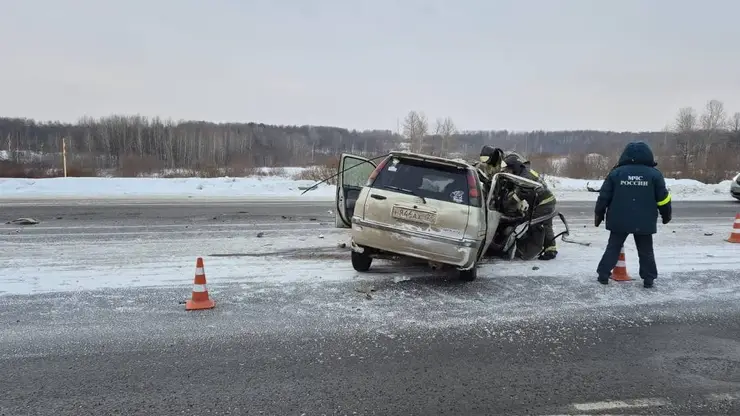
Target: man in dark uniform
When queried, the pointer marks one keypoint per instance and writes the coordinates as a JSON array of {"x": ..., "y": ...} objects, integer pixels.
[
  {"x": 631, "y": 197},
  {"x": 542, "y": 234}
]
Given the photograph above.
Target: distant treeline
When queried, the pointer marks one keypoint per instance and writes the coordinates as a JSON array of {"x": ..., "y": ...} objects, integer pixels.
[{"x": 695, "y": 144}]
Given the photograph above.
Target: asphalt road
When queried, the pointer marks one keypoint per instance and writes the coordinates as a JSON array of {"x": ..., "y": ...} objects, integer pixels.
[
  {"x": 134, "y": 353},
  {"x": 325, "y": 349}
]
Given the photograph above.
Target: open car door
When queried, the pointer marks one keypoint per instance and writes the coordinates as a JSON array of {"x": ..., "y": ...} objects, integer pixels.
[
  {"x": 353, "y": 174},
  {"x": 493, "y": 218}
]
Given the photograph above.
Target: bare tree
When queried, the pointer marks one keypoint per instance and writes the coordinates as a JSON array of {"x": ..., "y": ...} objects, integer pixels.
[
  {"x": 445, "y": 129},
  {"x": 714, "y": 117},
  {"x": 423, "y": 129},
  {"x": 713, "y": 121},
  {"x": 686, "y": 129},
  {"x": 415, "y": 128},
  {"x": 734, "y": 124},
  {"x": 734, "y": 127},
  {"x": 686, "y": 120}
]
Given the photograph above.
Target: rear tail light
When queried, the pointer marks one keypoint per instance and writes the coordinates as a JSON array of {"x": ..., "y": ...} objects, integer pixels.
[
  {"x": 377, "y": 170},
  {"x": 473, "y": 192},
  {"x": 472, "y": 185}
]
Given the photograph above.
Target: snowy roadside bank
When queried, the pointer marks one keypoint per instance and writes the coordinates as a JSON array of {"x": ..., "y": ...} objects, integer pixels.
[
  {"x": 274, "y": 188},
  {"x": 260, "y": 187},
  {"x": 681, "y": 189}
]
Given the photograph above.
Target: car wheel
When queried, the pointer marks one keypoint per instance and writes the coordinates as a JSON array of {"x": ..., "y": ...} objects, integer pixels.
[
  {"x": 469, "y": 275},
  {"x": 361, "y": 261}
]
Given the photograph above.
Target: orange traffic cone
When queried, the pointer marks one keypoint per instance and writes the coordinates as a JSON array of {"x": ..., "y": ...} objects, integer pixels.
[
  {"x": 199, "y": 299},
  {"x": 619, "y": 273},
  {"x": 735, "y": 234}
]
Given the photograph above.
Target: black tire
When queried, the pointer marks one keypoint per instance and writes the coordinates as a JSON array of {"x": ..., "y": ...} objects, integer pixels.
[
  {"x": 469, "y": 275},
  {"x": 361, "y": 261}
]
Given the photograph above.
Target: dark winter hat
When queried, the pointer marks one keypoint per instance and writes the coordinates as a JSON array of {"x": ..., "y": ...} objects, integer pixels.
[{"x": 491, "y": 155}]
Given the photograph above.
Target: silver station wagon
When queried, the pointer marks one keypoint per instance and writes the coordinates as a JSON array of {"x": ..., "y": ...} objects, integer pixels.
[{"x": 413, "y": 205}]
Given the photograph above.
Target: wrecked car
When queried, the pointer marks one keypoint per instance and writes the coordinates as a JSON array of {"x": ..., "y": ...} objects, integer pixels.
[{"x": 429, "y": 208}]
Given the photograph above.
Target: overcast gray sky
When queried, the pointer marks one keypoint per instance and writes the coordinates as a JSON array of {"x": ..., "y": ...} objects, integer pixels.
[{"x": 488, "y": 64}]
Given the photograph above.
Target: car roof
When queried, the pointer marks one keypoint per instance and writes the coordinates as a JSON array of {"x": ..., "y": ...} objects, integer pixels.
[{"x": 434, "y": 159}]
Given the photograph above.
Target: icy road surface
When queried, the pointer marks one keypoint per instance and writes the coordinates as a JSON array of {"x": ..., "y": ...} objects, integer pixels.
[{"x": 259, "y": 255}]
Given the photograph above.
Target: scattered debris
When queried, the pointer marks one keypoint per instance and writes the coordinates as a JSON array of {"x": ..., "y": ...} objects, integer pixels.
[
  {"x": 706, "y": 234},
  {"x": 260, "y": 234},
  {"x": 566, "y": 239},
  {"x": 312, "y": 219},
  {"x": 535, "y": 268},
  {"x": 342, "y": 245},
  {"x": 321, "y": 235},
  {"x": 24, "y": 221},
  {"x": 590, "y": 189},
  {"x": 59, "y": 218}
]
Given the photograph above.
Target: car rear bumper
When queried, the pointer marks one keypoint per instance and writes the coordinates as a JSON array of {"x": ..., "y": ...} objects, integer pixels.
[{"x": 457, "y": 252}]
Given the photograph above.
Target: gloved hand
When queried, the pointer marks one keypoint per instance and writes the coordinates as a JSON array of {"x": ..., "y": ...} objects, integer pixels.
[
  {"x": 527, "y": 194},
  {"x": 598, "y": 219},
  {"x": 667, "y": 219}
]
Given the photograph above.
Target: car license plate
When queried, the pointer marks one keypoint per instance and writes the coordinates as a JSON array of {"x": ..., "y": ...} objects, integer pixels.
[{"x": 414, "y": 215}]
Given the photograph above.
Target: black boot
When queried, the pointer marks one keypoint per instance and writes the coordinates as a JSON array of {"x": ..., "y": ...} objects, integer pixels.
[
  {"x": 549, "y": 254},
  {"x": 647, "y": 283}
]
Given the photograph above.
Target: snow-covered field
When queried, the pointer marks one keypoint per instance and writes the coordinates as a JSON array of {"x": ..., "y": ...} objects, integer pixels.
[{"x": 277, "y": 186}]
